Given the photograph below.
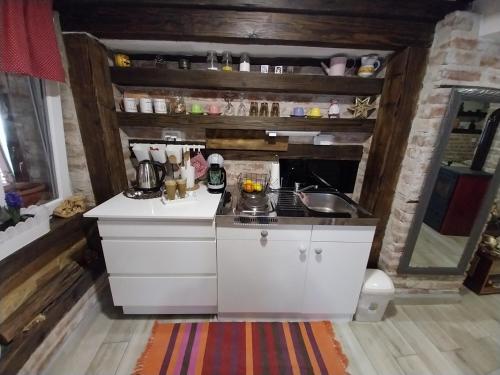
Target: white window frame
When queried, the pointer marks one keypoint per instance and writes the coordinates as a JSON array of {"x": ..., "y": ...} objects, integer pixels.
[{"x": 58, "y": 143}]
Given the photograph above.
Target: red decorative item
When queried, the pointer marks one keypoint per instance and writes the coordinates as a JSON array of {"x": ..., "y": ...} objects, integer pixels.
[
  {"x": 27, "y": 39},
  {"x": 200, "y": 165}
]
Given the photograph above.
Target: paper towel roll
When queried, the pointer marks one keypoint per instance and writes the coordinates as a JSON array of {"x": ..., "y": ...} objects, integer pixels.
[
  {"x": 189, "y": 176},
  {"x": 141, "y": 151},
  {"x": 275, "y": 175}
]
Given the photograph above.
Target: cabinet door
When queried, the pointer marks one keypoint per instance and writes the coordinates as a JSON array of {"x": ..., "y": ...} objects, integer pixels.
[
  {"x": 335, "y": 274},
  {"x": 259, "y": 276}
]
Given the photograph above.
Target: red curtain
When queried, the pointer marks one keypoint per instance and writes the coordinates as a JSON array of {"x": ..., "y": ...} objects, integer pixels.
[{"x": 27, "y": 39}]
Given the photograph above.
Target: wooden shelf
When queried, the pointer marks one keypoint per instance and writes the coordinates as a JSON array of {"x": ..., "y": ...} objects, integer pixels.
[
  {"x": 297, "y": 151},
  {"x": 246, "y": 81},
  {"x": 244, "y": 123}
]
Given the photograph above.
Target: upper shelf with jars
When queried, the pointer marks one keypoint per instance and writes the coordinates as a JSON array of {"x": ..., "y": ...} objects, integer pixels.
[{"x": 340, "y": 75}]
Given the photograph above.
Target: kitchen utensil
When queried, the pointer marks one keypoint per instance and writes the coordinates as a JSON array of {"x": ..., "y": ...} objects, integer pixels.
[
  {"x": 253, "y": 183},
  {"x": 212, "y": 63},
  {"x": 216, "y": 174},
  {"x": 148, "y": 175},
  {"x": 337, "y": 65},
  {"x": 369, "y": 65},
  {"x": 245, "y": 62},
  {"x": 160, "y": 105},
  {"x": 227, "y": 61},
  {"x": 170, "y": 189},
  {"x": 146, "y": 105}
]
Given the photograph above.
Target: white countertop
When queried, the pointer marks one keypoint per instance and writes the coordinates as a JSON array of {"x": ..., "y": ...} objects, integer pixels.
[{"x": 202, "y": 206}]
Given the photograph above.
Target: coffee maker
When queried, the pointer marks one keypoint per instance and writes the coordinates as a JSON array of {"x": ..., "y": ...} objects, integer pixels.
[{"x": 216, "y": 174}]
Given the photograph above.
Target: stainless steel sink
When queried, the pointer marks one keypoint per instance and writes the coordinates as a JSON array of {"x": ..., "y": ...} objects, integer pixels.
[{"x": 326, "y": 203}]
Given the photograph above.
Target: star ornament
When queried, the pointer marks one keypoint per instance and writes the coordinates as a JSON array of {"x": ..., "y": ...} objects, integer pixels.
[{"x": 362, "y": 108}]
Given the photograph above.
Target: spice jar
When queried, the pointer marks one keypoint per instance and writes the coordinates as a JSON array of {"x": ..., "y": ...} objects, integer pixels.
[
  {"x": 254, "y": 109},
  {"x": 227, "y": 61},
  {"x": 264, "y": 110},
  {"x": 275, "y": 110},
  {"x": 212, "y": 63},
  {"x": 179, "y": 106},
  {"x": 244, "y": 62}
]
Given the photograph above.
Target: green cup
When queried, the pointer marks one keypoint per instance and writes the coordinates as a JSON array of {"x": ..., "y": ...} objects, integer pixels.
[{"x": 196, "y": 109}]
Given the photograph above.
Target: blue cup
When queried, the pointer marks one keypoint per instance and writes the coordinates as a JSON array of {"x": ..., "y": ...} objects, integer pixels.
[{"x": 298, "y": 111}]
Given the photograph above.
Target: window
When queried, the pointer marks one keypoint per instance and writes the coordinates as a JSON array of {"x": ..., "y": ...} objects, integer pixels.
[{"x": 32, "y": 147}]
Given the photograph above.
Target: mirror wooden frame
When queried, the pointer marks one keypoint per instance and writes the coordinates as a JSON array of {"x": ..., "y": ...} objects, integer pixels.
[{"x": 458, "y": 95}]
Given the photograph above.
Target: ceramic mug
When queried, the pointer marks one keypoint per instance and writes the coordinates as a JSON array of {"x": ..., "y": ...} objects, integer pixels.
[
  {"x": 314, "y": 112},
  {"x": 337, "y": 65},
  {"x": 130, "y": 104},
  {"x": 369, "y": 65},
  {"x": 213, "y": 109},
  {"x": 160, "y": 105},
  {"x": 298, "y": 112},
  {"x": 196, "y": 109},
  {"x": 146, "y": 105}
]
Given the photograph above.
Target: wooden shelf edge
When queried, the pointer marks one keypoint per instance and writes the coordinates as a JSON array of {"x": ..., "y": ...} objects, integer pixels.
[
  {"x": 246, "y": 81},
  {"x": 297, "y": 151},
  {"x": 244, "y": 123}
]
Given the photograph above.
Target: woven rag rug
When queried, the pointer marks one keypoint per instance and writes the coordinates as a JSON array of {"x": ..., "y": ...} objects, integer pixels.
[{"x": 242, "y": 348}]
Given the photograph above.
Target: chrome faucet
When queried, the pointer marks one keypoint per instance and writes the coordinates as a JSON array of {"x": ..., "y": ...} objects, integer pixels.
[{"x": 298, "y": 190}]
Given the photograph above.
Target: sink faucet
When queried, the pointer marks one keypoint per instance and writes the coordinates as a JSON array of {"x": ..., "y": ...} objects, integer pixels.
[{"x": 298, "y": 190}]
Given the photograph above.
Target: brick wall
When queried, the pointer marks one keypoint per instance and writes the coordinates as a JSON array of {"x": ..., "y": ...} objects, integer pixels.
[{"x": 457, "y": 57}]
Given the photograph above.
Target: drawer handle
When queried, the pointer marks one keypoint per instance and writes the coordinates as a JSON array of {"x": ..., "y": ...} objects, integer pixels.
[
  {"x": 264, "y": 233},
  {"x": 302, "y": 249},
  {"x": 318, "y": 251}
]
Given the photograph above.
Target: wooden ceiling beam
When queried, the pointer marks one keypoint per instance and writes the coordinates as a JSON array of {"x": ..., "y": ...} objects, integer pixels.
[
  {"x": 229, "y": 26},
  {"x": 431, "y": 10}
]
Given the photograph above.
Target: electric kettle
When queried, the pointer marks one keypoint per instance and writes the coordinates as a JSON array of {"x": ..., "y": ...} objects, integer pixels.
[{"x": 148, "y": 175}]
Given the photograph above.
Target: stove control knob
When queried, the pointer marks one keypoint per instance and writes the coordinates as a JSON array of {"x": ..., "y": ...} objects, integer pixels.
[
  {"x": 318, "y": 251},
  {"x": 302, "y": 249},
  {"x": 264, "y": 233}
]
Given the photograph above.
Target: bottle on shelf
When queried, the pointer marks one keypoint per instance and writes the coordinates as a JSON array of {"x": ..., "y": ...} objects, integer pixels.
[{"x": 244, "y": 62}]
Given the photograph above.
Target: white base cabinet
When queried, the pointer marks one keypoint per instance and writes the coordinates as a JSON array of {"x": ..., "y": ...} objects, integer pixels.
[
  {"x": 161, "y": 266},
  {"x": 317, "y": 275}
]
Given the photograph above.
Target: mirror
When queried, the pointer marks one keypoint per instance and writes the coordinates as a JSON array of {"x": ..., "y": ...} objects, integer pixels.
[{"x": 460, "y": 188}]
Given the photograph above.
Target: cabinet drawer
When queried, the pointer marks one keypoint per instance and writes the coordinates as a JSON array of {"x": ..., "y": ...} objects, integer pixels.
[
  {"x": 342, "y": 233},
  {"x": 159, "y": 257},
  {"x": 157, "y": 229},
  {"x": 163, "y": 291},
  {"x": 284, "y": 233}
]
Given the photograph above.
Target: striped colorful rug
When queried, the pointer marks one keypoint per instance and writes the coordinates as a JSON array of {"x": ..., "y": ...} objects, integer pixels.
[{"x": 242, "y": 348}]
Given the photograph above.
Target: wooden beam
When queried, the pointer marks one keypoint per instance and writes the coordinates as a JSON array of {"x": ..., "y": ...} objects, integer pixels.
[
  {"x": 136, "y": 21},
  {"x": 297, "y": 151},
  {"x": 245, "y": 123},
  {"x": 424, "y": 9},
  {"x": 37, "y": 302},
  {"x": 95, "y": 108},
  {"x": 403, "y": 81},
  {"x": 18, "y": 267},
  {"x": 25, "y": 343},
  {"x": 247, "y": 81}
]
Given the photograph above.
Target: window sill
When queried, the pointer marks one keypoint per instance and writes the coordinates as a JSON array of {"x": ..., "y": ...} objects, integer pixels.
[{"x": 16, "y": 237}]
